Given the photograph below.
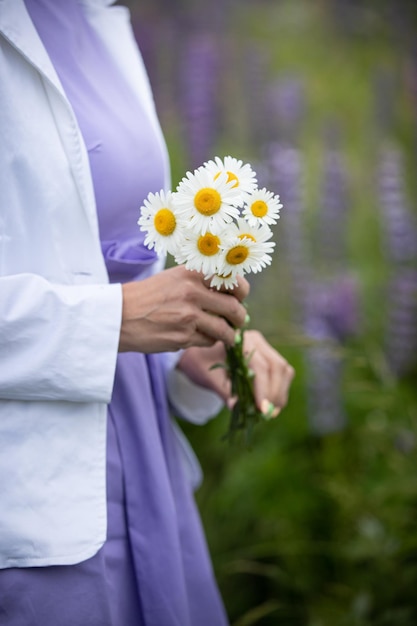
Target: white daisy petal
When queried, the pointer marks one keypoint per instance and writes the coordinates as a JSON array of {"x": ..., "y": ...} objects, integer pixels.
[
  {"x": 244, "y": 255},
  {"x": 161, "y": 223},
  {"x": 258, "y": 231},
  {"x": 240, "y": 175},
  {"x": 221, "y": 280},
  {"x": 205, "y": 203},
  {"x": 262, "y": 206},
  {"x": 201, "y": 252},
  {"x": 203, "y": 225}
]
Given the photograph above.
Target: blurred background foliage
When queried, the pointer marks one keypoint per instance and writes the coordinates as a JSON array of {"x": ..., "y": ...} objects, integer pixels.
[{"x": 316, "y": 524}]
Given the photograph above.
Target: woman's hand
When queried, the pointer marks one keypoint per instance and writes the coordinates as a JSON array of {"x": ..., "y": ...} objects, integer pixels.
[
  {"x": 176, "y": 309},
  {"x": 273, "y": 374}
]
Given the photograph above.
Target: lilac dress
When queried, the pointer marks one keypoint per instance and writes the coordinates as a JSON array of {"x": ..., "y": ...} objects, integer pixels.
[{"x": 154, "y": 569}]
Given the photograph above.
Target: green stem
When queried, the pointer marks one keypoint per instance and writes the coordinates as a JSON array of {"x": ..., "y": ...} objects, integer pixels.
[{"x": 245, "y": 413}]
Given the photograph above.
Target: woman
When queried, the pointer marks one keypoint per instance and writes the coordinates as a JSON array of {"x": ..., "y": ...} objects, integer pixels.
[{"x": 98, "y": 524}]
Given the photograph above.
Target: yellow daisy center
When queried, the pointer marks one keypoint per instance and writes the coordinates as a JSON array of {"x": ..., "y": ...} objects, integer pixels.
[
  {"x": 259, "y": 208},
  {"x": 207, "y": 201},
  {"x": 237, "y": 255},
  {"x": 230, "y": 177},
  {"x": 164, "y": 222},
  {"x": 247, "y": 236},
  {"x": 208, "y": 244}
]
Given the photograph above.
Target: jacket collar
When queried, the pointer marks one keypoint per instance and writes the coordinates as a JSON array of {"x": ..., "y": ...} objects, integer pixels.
[{"x": 17, "y": 27}]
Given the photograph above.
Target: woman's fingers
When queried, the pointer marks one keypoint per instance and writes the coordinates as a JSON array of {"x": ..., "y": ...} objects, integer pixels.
[
  {"x": 214, "y": 328},
  {"x": 241, "y": 290},
  {"x": 198, "y": 363},
  {"x": 224, "y": 306},
  {"x": 175, "y": 309},
  {"x": 273, "y": 374}
]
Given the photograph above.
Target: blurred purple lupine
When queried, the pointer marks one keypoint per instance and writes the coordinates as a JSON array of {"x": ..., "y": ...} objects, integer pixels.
[
  {"x": 400, "y": 234},
  {"x": 336, "y": 303},
  {"x": 325, "y": 314},
  {"x": 286, "y": 175},
  {"x": 331, "y": 220},
  {"x": 401, "y": 332},
  {"x": 285, "y": 108},
  {"x": 259, "y": 125},
  {"x": 324, "y": 365},
  {"x": 332, "y": 316},
  {"x": 399, "y": 224},
  {"x": 332, "y": 303},
  {"x": 199, "y": 74}
]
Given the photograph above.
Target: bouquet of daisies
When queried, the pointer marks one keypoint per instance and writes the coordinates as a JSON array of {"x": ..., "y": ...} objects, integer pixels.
[{"x": 217, "y": 222}]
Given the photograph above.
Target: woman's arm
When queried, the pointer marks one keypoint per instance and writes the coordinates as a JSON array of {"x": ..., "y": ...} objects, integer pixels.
[
  {"x": 57, "y": 342},
  {"x": 60, "y": 342}
]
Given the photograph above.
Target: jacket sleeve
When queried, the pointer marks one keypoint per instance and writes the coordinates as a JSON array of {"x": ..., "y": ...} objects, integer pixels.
[
  {"x": 189, "y": 401},
  {"x": 58, "y": 342}
]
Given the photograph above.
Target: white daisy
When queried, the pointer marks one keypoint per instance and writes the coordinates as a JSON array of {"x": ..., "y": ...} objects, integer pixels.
[
  {"x": 204, "y": 202},
  {"x": 227, "y": 281},
  {"x": 201, "y": 252},
  {"x": 161, "y": 223},
  {"x": 262, "y": 206},
  {"x": 258, "y": 232},
  {"x": 239, "y": 174},
  {"x": 245, "y": 254}
]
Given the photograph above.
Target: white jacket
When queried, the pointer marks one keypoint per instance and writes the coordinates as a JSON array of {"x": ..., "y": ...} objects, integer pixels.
[{"x": 59, "y": 317}]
